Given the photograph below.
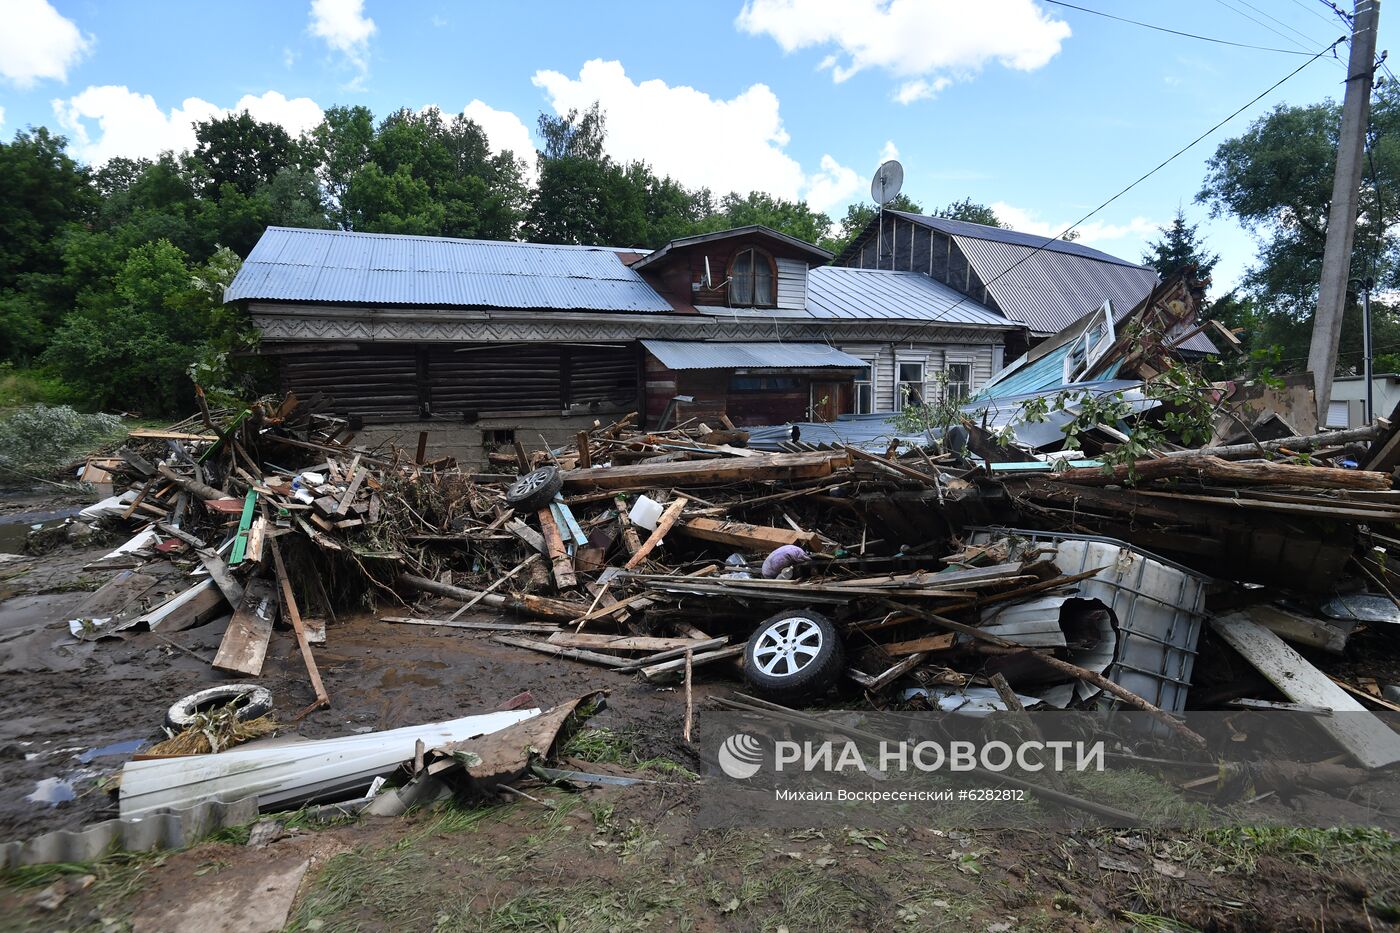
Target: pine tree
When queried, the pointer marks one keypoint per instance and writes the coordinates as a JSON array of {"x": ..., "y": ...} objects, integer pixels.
[{"x": 1180, "y": 249}]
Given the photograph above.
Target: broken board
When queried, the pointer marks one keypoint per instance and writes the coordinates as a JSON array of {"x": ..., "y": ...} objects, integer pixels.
[
  {"x": 1365, "y": 737},
  {"x": 245, "y": 641}
]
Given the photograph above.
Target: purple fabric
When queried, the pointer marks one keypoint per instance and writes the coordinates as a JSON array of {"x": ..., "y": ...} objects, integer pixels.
[{"x": 782, "y": 558}]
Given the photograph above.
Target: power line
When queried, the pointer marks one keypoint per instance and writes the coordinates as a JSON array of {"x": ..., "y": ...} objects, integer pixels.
[
  {"x": 1308, "y": 41},
  {"x": 1259, "y": 22},
  {"x": 1303, "y": 6},
  {"x": 1177, "y": 32},
  {"x": 1260, "y": 96}
]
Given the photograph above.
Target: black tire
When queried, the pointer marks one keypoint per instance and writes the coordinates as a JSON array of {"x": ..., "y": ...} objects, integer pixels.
[
  {"x": 535, "y": 490},
  {"x": 808, "y": 676},
  {"x": 253, "y": 701}
]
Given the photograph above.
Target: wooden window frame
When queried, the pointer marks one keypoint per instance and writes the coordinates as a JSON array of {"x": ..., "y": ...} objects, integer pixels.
[{"x": 772, "y": 271}]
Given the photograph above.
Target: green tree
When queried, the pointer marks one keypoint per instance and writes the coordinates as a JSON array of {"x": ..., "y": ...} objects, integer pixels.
[
  {"x": 1180, "y": 250},
  {"x": 970, "y": 211},
  {"x": 244, "y": 153},
  {"x": 1276, "y": 180},
  {"x": 582, "y": 196},
  {"x": 794, "y": 218},
  {"x": 45, "y": 190},
  {"x": 135, "y": 349},
  {"x": 340, "y": 148}
]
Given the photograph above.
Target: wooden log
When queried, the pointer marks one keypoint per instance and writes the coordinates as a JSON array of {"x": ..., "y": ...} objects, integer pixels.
[
  {"x": 1298, "y": 442},
  {"x": 192, "y": 486},
  {"x": 684, "y": 473},
  {"x": 537, "y": 606},
  {"x": 585, "y": 458},
  {"x": 475, "y": 626},
  {"x": 630, "y": 539},
  {"x": 152, "y": 434},
  {"x": 244, "y": 645},
  {"x": 576, "y": 654},
  {"x": 619, "y": 642},
  {"x": 692, "y": 645},
  {"x": 492, "y": 588},
  {"x": 758, "y": 538},
  {"x": 663, "y": 525},
  {"x": 564, "y": 577},
  {"x": 1254, "y": 473}
]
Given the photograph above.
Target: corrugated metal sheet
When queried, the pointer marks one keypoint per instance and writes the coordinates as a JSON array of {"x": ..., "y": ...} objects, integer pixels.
[
  {"x": 965, "y": 228},
  {"x": 690, "y": 354},
  {"x": 1047, "y": 290},
  {"x": 379, "y": 268},
  {"x": 845, "y": 292}
]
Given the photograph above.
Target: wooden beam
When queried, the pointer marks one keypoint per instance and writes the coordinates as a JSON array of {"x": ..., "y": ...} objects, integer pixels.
[
  {"x": 564, "y": 577},
  {"x": 576, "y": 654},
  {"x": 939, "y": 642},
  {"x": 630, "y": 539},
  {"x": 1254, "y": 473},
  {"x": 708, "y": 472},
  {"x": 322, "y": 700},
  {"x": 1367, "y": 739},
  {"x": 708, "y": 657},
  {"x": 663, "y": 525},
  {"x": 758, "y": 538},
  {"x": 619, "y": 642}
]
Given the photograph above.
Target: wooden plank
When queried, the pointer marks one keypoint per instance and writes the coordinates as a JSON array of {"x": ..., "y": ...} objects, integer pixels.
[
  {"x": 576, "y": 654},
  {"x": 630, "y": 539},
  {"x": 358, "y": 474},
  {"x": 564, "y": 577},
  {"x": 475, "y": 626},
  {"x": 692, "y": 645},
  {"x": 1299, "y": 629},
  {"x": 940, "y": 642},
  {"x": 244, "y": 645},
  {"x": 759, "y": 538},
  {"x": 150, "y": 434},
  {"x": 245, "y": 522},
  {"x": 708, "y": 657},
  {"x": 1367, "y": 739},
  {"x": 527, "y": 534},
  {"x": 221, "y": 575},
  {"x": 585, "y": 459},
  {"x": 294, "y": 616},
  {"x": 708, "y": 472},
  {"x": 663, "y": 525},
  {"x": 619, "y": 642}
]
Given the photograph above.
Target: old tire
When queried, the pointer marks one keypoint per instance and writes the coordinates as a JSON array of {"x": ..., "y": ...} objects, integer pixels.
[
  {"x": 253, "y": 701},
  {"x": 535, "y": 490},
  {"x": 794, "y": 655}
]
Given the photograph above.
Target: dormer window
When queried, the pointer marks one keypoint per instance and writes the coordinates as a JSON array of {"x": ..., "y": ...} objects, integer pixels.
[{"x": 752, "y": 280}]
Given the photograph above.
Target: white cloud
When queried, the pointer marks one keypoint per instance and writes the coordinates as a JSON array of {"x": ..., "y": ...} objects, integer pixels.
[
  {"x": 725, "y": 145},
  {"x": 833, "y": 186},
  {"x": 346, "y": 29},
  {"x": 2, "y": 116},
  {"x": 1094, "y": 231},
  {"x": 38, "y": 42},
  {"x": 133, "y": 125},
  {"x": 926, "y": 43},
  {"x": 505, "y": 131},
  {"x": 888, "y": 151}
]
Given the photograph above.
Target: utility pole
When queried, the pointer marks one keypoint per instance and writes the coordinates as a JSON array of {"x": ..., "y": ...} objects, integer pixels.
[{"x": 1341, "y": 219}]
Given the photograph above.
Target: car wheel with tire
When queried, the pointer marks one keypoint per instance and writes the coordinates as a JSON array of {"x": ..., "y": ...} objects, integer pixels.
[
  {"x": 535, "y": 490},
  {"x": 794, "y": 655},
  {"x": 251, "y": 700}
]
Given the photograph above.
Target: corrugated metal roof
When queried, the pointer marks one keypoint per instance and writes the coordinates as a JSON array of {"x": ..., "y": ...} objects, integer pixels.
[
  {"x": 1048, "y": 290},
  {"x": 816, "y": 252},
  {"x": 693, "y": 354},
  {"x": 964, "y": 228},
  {"x": 879, "y": 294},
  {"x": 290, "y": 264}
]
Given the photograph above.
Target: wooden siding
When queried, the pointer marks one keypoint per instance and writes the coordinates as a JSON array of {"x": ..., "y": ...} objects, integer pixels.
[
  {"x": 792, "y": 284},
  {"x": 934, "y": 356},
  {"x": 905, "y": 246},
  {"x": 457, "y": 381}
]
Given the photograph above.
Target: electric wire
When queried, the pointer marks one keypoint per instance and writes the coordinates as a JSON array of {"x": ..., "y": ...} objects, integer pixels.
[{"x": 1177, "y": 32}]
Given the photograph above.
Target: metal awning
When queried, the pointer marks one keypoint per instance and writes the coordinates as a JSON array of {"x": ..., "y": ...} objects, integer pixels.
[{"x": 695, "y": 354}]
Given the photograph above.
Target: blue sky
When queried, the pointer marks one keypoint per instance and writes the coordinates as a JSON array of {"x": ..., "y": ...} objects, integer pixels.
[{"x": 1040, "y": 110}]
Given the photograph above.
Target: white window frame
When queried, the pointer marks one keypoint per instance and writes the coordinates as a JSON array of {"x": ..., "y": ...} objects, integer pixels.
[
  {"x": 949, "y": 363},
  {"x": 1081, "y": 357},
  {"x": 869, "y": 383},
  {"x": 899, "y": 363}
]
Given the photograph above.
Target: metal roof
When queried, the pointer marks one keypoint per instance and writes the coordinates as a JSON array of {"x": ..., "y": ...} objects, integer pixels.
[
  {"x": 692, "y": 354},
  {"x": 846, "y": 292},
  {"x": 815, "y": 252},
  {"x": 290, "y": 264},
  {"x": 965, "y": 228}
]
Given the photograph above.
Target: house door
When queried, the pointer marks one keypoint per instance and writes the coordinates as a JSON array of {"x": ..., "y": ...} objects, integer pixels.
[{"x": 829, "y": 399}]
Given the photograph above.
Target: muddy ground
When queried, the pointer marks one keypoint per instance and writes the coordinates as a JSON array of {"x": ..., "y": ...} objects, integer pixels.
[{"x": 615, "y": 859}]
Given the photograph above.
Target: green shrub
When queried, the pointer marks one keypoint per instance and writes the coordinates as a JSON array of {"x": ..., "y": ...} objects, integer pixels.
[{"x": 41, "y": 439}]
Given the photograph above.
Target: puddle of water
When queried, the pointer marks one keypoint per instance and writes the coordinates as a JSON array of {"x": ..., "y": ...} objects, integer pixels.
[
  {"x": 13, "y": 534},
  {"x": 129, "y": 747},
  {"x": 51, "y": 791}
]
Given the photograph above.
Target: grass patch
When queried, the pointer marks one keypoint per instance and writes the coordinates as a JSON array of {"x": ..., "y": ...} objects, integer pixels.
[
  {"x": 115, "y": 878},
  {"x": 606, "y": 746},
  {"x": 588, "y": 907}
]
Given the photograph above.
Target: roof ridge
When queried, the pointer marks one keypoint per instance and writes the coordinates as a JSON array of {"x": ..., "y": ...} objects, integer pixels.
[{"x": 454, "y": 239}]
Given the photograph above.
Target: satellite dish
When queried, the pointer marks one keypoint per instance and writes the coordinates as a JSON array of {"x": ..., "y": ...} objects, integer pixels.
[
  {"x": 889, "y": 178},
  {"x": 707, "y": 281}
]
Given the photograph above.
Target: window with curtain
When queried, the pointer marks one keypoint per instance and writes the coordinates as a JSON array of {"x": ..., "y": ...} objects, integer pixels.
[{"x": 751, "y": 280}]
